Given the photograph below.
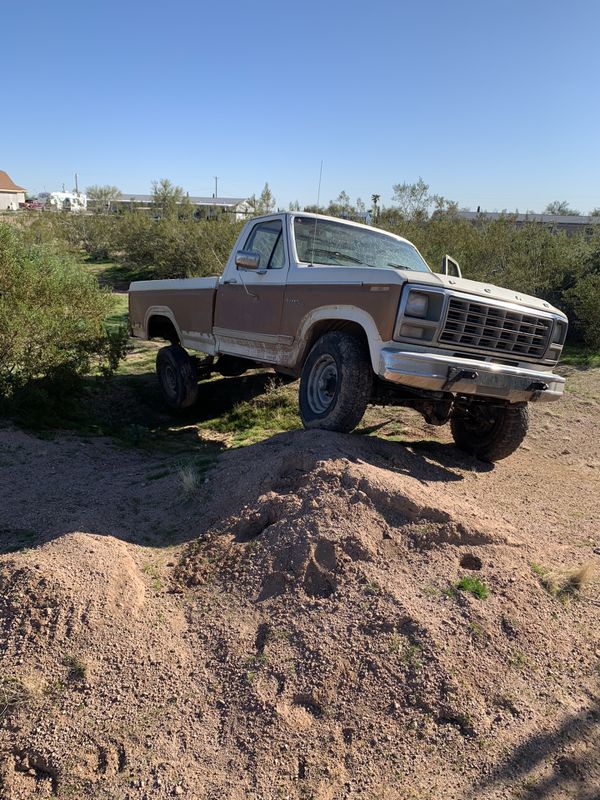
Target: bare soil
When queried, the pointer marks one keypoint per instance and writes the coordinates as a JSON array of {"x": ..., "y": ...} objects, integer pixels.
[{"x": 292, "y": 627}]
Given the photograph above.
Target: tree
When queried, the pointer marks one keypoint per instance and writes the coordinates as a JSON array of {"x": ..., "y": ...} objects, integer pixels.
[
  {"x": 294, "y": 206},
  {"x": 561, "y": 209},
  {"x": 101, "y": 197},
  {"x": 343, "y": 200},
  {"x": 166, "y": 197},
  {"x": 265, "y": 203},
  {"x": 412, "y": 199},
  {"x": 595, "y": 212},
  {"x": 375, "y": 198}
]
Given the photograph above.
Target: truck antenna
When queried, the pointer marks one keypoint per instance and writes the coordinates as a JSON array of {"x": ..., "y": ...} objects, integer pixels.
[{"x": 312, "y": 255}]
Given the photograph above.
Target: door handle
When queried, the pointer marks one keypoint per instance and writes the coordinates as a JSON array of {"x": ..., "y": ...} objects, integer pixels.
[{"x": 230, "y": 281}]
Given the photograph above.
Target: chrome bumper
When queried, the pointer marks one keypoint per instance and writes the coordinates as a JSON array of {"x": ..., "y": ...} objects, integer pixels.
[{"x": 468, "y": 376}]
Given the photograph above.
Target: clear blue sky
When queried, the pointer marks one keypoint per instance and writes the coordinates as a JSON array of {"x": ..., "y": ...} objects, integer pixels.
[{"x": 494, "y": 104}]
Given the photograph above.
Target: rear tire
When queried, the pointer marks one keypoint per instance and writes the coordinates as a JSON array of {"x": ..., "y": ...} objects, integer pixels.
[
  {"x": 491, "y": 434},
  {"x": 336, "y": 383},
  {"x": 176, "y": 372}
]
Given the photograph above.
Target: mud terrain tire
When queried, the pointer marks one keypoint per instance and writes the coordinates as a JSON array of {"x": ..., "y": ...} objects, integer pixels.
[
  {"x": 336, "y": 383},
  {"x": 177, "y": 377},
  {"x": 494, "y": 436}
]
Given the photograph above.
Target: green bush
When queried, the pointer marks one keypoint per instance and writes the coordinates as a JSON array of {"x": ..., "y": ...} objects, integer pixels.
[
  {"x": 532, "y": 258},
  {"x": 585, "y": 300},
  {"x": 175, "y": 247},
  {"x": 51, "y": 321}
]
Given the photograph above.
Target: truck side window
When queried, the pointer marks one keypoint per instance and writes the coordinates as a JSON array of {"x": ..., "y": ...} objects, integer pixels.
[{"x": 266, "y": 238}]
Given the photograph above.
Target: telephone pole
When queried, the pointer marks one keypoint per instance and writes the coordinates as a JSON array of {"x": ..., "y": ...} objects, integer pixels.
[{"x": 216, "y": 194}]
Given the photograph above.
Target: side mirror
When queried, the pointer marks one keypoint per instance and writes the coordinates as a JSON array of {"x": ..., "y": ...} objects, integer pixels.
[
  {"x": 247, "y": 259},
  {"x": 450, "y": 266}
]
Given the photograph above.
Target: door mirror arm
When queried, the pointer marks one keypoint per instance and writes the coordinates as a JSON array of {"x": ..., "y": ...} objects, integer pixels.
[{"x": 450, "y": 266}]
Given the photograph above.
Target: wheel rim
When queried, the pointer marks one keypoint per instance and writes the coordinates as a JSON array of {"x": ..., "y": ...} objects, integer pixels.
[{"x": 322, "y": 384}]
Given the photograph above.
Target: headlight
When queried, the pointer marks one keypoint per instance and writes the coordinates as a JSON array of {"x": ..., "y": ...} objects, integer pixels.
[
  {"x": 417, "y": 305},
  {"x": 419, "y": 313},
  {"x": 560, "y": 332}
]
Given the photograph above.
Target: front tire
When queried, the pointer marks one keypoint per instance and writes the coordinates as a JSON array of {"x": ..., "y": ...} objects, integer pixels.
[
  {"x": 177, "y": 377},
  {"x": 336, "y": 383},
  {"x": 490, "y": 433}
]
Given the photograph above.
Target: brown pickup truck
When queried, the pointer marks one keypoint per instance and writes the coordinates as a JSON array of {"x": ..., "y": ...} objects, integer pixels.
[{"x": 360, "y": 317}]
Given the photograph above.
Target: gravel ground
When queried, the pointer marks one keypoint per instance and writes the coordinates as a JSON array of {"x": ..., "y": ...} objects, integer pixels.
[{"x": 292, "y": 627}]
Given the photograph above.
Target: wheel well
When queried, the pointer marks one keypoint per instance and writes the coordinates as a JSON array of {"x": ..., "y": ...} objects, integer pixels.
[
  {"x": 161, "y": 327},
  {"x": 324, "y": 326}
]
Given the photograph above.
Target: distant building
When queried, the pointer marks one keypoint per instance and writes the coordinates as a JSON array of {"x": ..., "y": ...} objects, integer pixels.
[
  {"x": 63, "y": 201},
  {"x": 572, "y": 223},
  {"x": 204, "y": 207},
  {"x": 10, "y": 194}
]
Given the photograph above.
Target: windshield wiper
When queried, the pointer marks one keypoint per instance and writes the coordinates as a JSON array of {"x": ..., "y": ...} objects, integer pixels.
[
  {"x": 399, "y": 266},
  {"x": 337, "y": 254}
]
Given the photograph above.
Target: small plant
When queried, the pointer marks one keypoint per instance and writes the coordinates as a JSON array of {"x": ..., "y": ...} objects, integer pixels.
[
  {"x": 476, "y": 630},
  {"x": 372, "y": 588},
  {"x": 153, "y": 571},
  {"x": 411, "y": 656},
  {"x": 190, "y": 479},
  {"x": 519, "y": 660},
  {"x": 563, "y": 584},
  {"x": 474, "y": 586},
  {"x": 395, "y": 643},
  {"x": 14, "y": 693},
  {"x": 77, "y": 668},
  {"x": 449, "y": 592}
]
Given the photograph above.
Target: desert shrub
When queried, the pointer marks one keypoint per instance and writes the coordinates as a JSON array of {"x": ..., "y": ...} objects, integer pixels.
[
  {"x": 51, "y": 321},
  {"x": 585, "y": 300},
  {"x": 176, "y": 247}
]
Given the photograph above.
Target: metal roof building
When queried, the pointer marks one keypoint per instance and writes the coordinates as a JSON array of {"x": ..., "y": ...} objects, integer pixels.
[{"x": 206, "y": 206}]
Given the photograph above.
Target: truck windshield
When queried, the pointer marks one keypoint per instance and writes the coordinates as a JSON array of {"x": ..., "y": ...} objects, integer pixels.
[{"x": 335, "y": 244}]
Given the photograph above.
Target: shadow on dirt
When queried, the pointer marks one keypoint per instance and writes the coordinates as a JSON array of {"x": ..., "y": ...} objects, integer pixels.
[
  {"x": 572, "y": 750},
  {"x": 143, "y": 485}
]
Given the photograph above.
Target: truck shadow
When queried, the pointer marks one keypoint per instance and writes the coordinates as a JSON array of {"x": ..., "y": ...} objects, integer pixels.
[{"x": 568, "y": 755}]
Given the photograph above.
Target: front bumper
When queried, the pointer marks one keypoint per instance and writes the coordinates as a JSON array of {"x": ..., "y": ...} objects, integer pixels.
[{"x": 448, "y": 373}]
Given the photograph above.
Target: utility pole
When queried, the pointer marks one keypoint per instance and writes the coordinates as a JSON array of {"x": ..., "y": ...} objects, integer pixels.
[
  {"x": 76, "y": 184},
  {"x": 216, "y": 194}
]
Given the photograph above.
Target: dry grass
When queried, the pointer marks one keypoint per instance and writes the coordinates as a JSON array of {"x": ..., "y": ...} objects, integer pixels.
[
  {"x": 190, "y": 479},
  {"x": 14, "y": 694},
  {"x": 564, "y": 584}
]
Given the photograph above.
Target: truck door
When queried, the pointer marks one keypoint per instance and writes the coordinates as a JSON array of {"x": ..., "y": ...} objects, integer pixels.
[{"x": 249, "y": 303}]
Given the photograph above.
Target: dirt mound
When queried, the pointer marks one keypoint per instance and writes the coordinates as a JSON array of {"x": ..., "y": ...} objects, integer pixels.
[{"x": 346, "y": 621}]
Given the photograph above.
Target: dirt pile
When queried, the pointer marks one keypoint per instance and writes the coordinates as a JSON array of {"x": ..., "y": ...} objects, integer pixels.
[{"x": 346, "y": 620}]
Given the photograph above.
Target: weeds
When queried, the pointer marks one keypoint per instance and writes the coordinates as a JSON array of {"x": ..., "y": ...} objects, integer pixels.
[
  {"x": 14, "y": 694},
  {"x": 77, "y": 669},
  {"x": 474, "y": 586},
  {"x": 153, "y": 572},
  {"x": 411, "y": 656},
  {"x": 565, "y": 584},
  {"x": 190, "y": 480},
  {"x": 519, "y": 660},
  {"x": 254, "y": 663}
]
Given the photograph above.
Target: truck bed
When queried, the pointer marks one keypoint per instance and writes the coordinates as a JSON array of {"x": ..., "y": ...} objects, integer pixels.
[{"x": 188, "y": 302}]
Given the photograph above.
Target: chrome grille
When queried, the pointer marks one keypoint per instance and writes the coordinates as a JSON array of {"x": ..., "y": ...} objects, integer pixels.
[{"x": 470, "y": 323}]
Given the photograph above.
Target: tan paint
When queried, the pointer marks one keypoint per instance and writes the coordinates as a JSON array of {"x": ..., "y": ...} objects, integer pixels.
[
  {"x": 193, "y": 309},
  {"x": 301, "y": 299},
  {"x": 256, "y": 311}
]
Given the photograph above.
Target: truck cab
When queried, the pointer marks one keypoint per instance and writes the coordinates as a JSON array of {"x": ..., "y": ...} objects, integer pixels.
[{"x": 459, "y": 351}]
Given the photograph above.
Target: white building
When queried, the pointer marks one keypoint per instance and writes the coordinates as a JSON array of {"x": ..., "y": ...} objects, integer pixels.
[
  {"x": 63, "y": 201},
  {"x": 10, "y": 194}
]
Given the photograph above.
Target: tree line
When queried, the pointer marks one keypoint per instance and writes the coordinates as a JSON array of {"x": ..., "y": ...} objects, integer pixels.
[{"x": 534, "y": 258}]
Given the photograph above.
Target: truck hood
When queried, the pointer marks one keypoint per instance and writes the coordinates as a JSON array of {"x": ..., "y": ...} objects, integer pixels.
[{"x": 480, "y": 289}]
